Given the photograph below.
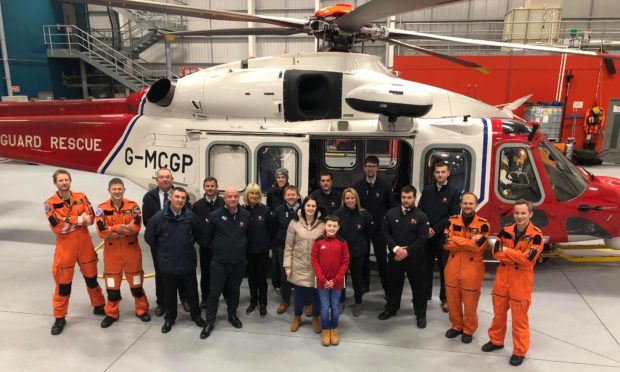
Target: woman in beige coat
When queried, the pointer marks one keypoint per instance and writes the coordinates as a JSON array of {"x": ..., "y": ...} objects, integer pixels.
[{"x": 303, "y": 230}]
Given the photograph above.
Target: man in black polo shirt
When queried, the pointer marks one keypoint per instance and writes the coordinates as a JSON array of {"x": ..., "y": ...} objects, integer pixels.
[
  {"x": 406, "y": 229},
  {"x": 327, "y": 198},
  {"x": 210, "y": 202},
  {"x": 439, "y": 201},
  {"x": 376, "y": 197},
  {"x": 228, "y": 230}
]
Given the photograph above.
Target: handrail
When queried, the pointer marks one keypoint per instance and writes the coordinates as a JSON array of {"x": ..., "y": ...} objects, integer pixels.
[{"x": 74, "y": 38}]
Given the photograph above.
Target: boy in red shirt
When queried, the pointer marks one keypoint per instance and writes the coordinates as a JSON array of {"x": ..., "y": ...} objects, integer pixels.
[{"x": 330, "y": 260}]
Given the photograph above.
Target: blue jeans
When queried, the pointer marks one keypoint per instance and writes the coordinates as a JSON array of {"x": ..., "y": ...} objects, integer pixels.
[
  {"x": 301, "y": 294},
  {"x": 330, "y": 300}
]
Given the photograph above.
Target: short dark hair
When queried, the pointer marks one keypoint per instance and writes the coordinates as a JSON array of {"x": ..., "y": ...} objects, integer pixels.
[
  {"x": 409, "y": 188},
  {"x": 290, "y": 187},
  {"x": 59, "y": 172},
  {"x": 210, "y": 179},
  {"x": 524, "y": 202},
  {"x": 441, "y": 164},
  {"x": 469, "y": 193},
  {"x": 318, "y": 213},
  {"x": 332, "y": 217},
  {"x": 371, "y": 159},
  {"x": 179, "y": 189},
  {"x": 326, "y": 173},
  {"x": 115, "y": 181}
]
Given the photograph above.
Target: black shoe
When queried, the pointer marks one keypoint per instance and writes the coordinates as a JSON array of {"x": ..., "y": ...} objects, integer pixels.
[
  {"x": 107, "y": 321},
  {"x": 466, "y": 339},
  {"x": 489, "y": 346},
  {"x": 421, "y": 322},
  {"x": 516, "y": 360},
  {"x": 386, "y": 314},
  {"x": 250, "y": 309},
  {"x": 144, "y": 317},
  {"x": 206, "y": 331},
  {"x": 452, "y": 333},
  {"x": 186, "y": 306},
  {"x": 203, "y": 303},
  {"x": 58, "y": 326},
  {"x": 199, "y": 321},
  {"x": 234, "y": 320},
  {"x": 99, "y": 310},
  {"x": 262, "y": 311},
  {"x": 159, "y": 311},
  {"x": 167, "y": 327}
]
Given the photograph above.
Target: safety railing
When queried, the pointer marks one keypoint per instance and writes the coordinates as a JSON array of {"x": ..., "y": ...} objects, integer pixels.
[{"x": 73, "y": 40}]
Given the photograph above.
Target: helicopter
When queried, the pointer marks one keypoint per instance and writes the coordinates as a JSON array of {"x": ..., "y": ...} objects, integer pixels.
[{"x": 311, "y": 112}]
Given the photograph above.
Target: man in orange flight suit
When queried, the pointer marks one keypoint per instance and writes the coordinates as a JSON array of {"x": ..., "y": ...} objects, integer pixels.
[
  {"x": 466, "y": 239},
  {"x": 69, "y": 214},
  {"x": 518, "y": 248},
  {"x": 118, "y": 224}
]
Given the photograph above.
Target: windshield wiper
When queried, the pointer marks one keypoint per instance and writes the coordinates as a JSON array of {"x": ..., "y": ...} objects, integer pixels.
[{"x": 589, "y": 174}]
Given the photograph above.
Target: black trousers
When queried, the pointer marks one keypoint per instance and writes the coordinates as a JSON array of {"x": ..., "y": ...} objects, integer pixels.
[
  {"x": 171, "y": 283},
  {"x": 159, "y": 287},
  {"x": 258, "y": 263},
  {"x": 276, "y": 271},
  {"x": 285, "y": 286},
  {"x": 224, "y": 277},
  {"x": 206, "y": 254},
  {"x": 355, "y": 270},
  {"x": 434, "y": 250},
  {"x": 378, "y": 246},
  {"x": 415, "y": 268}
]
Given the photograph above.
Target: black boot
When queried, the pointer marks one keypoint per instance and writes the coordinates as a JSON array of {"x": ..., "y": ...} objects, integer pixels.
[
  {"x": 58, "y": 326},
  {"x": 206, "y": 331},
  {"x": 107, "y": 321},
  {"x": 99, "y": 310}
]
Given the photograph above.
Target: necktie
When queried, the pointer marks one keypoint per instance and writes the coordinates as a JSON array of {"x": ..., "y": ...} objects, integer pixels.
[
  {"x": 370, "y": 184},
  {"x": 291, "y": 210},
  {"x": 165, "y": 198}
]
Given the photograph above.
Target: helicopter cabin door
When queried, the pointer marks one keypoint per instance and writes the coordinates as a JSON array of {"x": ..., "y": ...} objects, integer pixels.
[{"x": 239, "y": 159}]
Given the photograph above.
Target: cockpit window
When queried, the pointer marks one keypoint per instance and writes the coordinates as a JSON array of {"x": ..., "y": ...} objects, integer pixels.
[
  {"x": 566, "y": 181},
  {"x": 517, "y": 179},
  {"x": 513, "y": 127}
]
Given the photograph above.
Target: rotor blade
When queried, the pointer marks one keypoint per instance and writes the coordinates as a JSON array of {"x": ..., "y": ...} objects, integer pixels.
[
  {"x": 377, "y": 9},
  {"x": 196, "y": 12},
  {"x": 404, "y": 34},
  {"x": 446, "y": 57},
  {"x": 266, "y": 31}
]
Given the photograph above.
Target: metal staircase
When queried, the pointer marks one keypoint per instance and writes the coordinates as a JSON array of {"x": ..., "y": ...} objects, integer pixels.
[{"x": 69, "y": 41}]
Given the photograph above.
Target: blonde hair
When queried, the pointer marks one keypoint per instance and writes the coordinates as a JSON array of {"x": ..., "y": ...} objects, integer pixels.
[
  {"x": 357, "y": 199},
  {"x": 251, "y": 187}
]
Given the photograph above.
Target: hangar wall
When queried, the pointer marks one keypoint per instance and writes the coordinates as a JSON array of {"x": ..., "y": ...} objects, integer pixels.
[{"x": 512, "y": 77}]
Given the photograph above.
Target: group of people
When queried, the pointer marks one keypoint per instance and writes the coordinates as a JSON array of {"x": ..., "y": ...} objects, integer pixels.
[{"x": 315, "y": 243}]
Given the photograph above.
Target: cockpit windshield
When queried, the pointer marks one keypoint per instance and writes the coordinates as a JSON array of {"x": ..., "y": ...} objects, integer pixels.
[{"x": 566, "y": 180}]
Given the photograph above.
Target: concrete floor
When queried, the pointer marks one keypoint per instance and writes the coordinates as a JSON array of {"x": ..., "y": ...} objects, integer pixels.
[{"x": 574, "y": 317}]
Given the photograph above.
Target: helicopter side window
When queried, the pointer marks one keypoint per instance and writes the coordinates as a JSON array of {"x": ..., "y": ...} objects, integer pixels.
[
  {"x": 341, "y": 153},
  {"x": 460, "y": 166},
  {"x": 384, "y": 149},
  {"x": 516, "y": 175},
  {"x": 270, "y": 158},
  {"x": 566, "y": 181},
  {"x": 223, "y": 158}
]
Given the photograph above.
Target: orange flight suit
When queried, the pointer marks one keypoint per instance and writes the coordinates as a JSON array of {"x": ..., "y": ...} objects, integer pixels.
[
  {"x": 73, "y": 244},
  {"x": 464, "y": 271},
  {"x": 513, "y": 284},
  {"x": 119, "y": 229}
]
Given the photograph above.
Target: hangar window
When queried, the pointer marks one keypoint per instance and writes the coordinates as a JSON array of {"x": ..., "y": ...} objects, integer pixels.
[
  {"x": 270, "y": 158},
  {"x": 229, "y": 163},
  {"x": 517, "y": 179},
  {"x": 341, "y": 153},
  {"x": 460, "y": 166}
]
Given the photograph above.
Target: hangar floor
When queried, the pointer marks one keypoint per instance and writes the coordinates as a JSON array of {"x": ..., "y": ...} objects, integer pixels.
[{"x": 574, "y": 317}]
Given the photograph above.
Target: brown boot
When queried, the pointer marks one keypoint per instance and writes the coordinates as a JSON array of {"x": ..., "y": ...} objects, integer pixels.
[
  {"x": 316, "y": 324},
  {"x": 334, "y": 339},
  {"x": 326, "y": 337},
  {"x": 296, "y": 323},
  {"x": 282, "y": 308},
  {"x": 308, "y": 310}
]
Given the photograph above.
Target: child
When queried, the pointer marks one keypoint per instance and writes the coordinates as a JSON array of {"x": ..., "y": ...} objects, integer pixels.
[{"x": 330, "y": 259}]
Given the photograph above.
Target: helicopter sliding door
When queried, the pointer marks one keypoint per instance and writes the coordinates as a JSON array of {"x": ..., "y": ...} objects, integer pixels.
[
  {"x": 344, "y": 158},
  {"x": 236, "y": 160}
]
